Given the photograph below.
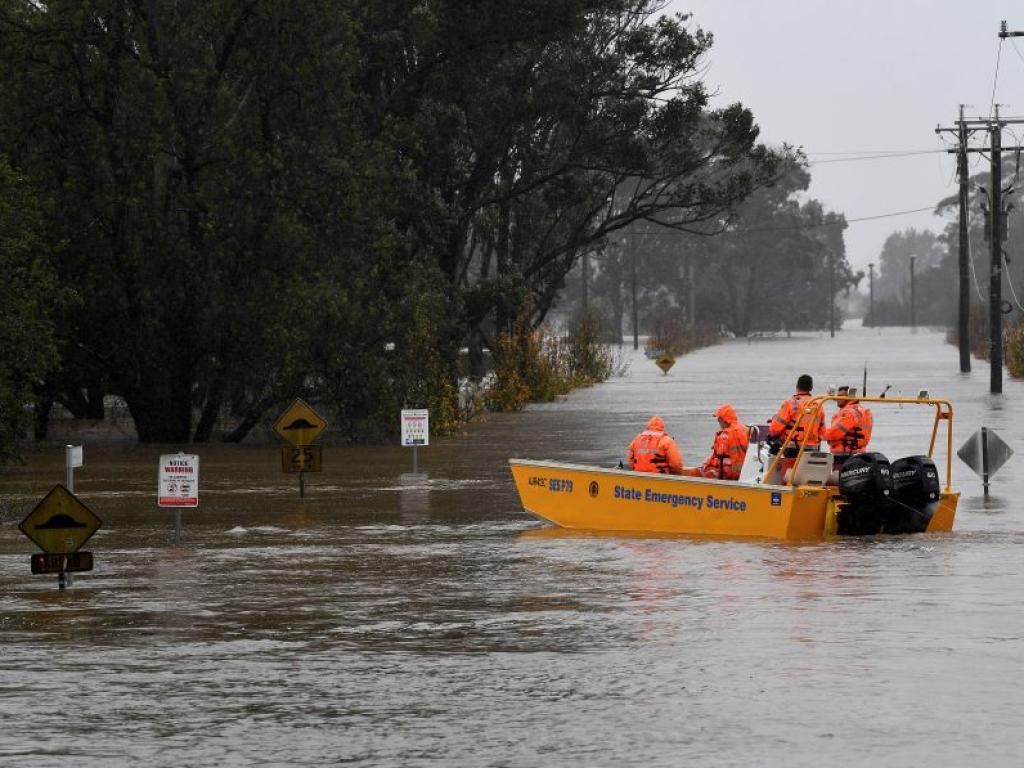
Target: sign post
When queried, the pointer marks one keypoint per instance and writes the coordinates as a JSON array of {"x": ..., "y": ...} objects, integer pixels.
[
  {"x": 415, "y": 431},
  {"x": 59, "y": 525},
  {"x": 300, "y": 425},
  {"x": 985, "y": 452},
  {"x": 665, "y": 362},
  {"x": 178, "y": 485},
  {"x": 72, "y": 459}
]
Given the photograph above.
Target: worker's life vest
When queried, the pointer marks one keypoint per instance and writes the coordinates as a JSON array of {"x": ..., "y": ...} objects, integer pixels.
[
  {"x": 649, "y": 452},
  {"x": 851, "y": 429},
  {"x": 792, "y": 412},
  {"x": 727, "y": 453}
]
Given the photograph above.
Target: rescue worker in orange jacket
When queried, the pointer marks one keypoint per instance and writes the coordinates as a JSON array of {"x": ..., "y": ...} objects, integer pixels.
[
  {"x": 654, "y": 451},
  {"x": 850, "y": 431},
  {"x": 793, "y": 414},
  {"x": 729, "y": 448}
]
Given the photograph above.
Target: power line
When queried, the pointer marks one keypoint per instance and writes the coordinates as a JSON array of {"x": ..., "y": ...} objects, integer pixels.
[
  {"x": 670, "y": 230},
  {"x": 876, "y": 152},
  {"x": 995, "y": 79},
  {"x": 880, "y": 156}
]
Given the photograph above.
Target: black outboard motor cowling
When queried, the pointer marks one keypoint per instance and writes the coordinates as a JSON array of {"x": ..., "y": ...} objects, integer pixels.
[
  {"x": 915, "y": 495},
  {"x": 915, "y": 480},
  {"x": 865, "y": 483},
  {"x": 865, "y": 477}
]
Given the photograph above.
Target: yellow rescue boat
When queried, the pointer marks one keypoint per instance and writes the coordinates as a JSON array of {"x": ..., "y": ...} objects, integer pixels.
[{"x": 867, "y": 495}]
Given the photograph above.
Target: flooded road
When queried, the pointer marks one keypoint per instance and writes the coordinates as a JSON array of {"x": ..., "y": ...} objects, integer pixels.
[{"x": 390, "y": 619}]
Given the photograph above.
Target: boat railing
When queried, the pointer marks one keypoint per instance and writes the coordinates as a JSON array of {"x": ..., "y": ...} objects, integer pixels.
[{"x": 814, "y": 406}]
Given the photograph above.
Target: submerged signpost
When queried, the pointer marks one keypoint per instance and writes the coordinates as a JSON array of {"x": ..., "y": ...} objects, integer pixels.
[
  {"x": 178, "y": 484},
  {"x": 985, "y": 452},
  {"x": 59, "y": 525},
  {"x": 300, "y": 425},
  {"x": 415, "y": 432}
]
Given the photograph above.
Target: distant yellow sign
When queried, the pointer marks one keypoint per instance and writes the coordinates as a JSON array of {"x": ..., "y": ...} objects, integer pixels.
[
  {"x": 665, "y": 362},
  {"x": 300, "y": 424},
  {"x": 302, "y": 458},
  {"x": 60, "y": 523}
]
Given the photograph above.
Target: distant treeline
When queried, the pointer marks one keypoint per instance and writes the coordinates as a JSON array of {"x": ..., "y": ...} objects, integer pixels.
[{"x": 209, "y": 208}]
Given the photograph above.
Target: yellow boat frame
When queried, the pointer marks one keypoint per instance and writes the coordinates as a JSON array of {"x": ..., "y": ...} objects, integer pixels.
[{"x": 603, "y": 499}]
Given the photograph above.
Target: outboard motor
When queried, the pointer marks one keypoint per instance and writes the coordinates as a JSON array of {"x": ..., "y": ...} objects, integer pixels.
[
  {"x": 915, "y": 495},
  {"x": 865, "y": 483}
]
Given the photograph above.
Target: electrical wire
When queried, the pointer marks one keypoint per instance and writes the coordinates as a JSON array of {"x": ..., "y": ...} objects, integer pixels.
[
  {"x": 995, "y": 80},
  {"x": 974, "y": 275},
  {"x": 1009, "y": 282},
  {"x": 1015, "y": 48},
  {"x": 884, "y": 156},
  {"x": 670, "y": 230}
]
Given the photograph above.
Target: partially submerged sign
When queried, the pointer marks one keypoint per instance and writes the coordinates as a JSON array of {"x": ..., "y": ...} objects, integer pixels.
[
  {"x": 985, "y": 452},
  {"x": 74, "y": 562},
  {"x": 60, "y": 523},
  {"x": 665, "y": 362},
  {"x": 302, "y": 458},
  {"x": 300, "y": 424},
  {"x": 415, "y": 427},
  {"x": 178, "y": 480}
]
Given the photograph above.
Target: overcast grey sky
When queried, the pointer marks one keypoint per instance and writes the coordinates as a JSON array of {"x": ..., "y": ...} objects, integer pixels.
[{"x": 862, "y": 77}]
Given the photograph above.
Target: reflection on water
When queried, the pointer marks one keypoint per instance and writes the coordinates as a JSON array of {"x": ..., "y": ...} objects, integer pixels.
[{"x": 399, "y": 619}]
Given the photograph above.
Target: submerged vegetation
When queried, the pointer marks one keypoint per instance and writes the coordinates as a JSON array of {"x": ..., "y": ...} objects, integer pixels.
[{"x": 538, "y": 365}]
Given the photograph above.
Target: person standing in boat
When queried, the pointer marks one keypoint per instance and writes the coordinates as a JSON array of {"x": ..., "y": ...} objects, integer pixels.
[
  {"x": 808, "y": 426},
  {"x": 850, "y": 431},
  {"x": 654, "y": 451},
  {"x": 728, "y": 450}
]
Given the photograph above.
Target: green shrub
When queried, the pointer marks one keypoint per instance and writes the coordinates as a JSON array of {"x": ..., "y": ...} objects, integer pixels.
[
  {"x": 1015, "y": 351},
  {"x": 538, "y": 365}
]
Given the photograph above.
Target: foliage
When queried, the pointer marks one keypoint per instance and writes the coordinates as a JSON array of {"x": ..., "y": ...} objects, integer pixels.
[
  {"x": 261, "y": 199},
  {"x": 772, "y": 264},
  {"x": 1015, "y": 351},
  {"x": 29, "y": 296},
  {"x": 671, "y": 334},
  {"x": 537, "y": 365}
]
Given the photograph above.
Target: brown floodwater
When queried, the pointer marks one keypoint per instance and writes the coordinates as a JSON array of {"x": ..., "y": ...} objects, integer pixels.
[{"x": 397, "y": 619}]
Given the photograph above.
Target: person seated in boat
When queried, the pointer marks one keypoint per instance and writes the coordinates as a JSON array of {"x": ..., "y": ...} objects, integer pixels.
[
  {"x": 654, "y": 451},
  {"x": 728, "y": 450},
  {"x": 850, "y": 430},
  {"x": 791, "y": 413}
]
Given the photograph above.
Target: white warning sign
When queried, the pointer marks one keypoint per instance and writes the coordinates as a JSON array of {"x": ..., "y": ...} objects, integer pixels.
[
  {"x": 415, "y": 427},
  {"x": 178, "y": 480}
]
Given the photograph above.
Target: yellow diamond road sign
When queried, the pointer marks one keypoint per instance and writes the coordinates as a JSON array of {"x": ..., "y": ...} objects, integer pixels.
[
  {"x": 300, "y": 424},
  {"x": 60, "y": 523},
  {"x": 665, "y": 362}
]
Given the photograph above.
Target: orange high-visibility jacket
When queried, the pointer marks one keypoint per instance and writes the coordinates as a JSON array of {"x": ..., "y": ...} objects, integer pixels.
[
  {"x": 729, "y": 449},
  {"x": 791, "y": 413},
  {"x": 654, "y": 451},
  {"x": 850, "y": 431}
]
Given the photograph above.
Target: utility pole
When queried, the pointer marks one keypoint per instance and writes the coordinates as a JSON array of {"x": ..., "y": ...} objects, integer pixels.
[
  {"x": 831, "y": 295},
  {"x": 636, "y": 311},
  {"x": 691, "y": 308},
  {"x": 871, "y": 294},
  {"x": 586, "y": 275},
  {"x": 996, "y": 227},
  {"x": 913, "y": 322},
  {"x": 995, "y": 283},
  {"x": 963, "y": 325}
]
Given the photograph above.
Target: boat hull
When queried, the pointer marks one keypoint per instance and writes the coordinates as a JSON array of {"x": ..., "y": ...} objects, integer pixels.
[{"x": 593, "y": 498}]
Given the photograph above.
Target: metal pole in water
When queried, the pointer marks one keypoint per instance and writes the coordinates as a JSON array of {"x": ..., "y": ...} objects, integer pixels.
[
  {"x": 984, "y": 458},
  {"x": 415, "y": 460},
  {"x": 64, "y": 579},
  {"x": 69, "y": 469},
  {"x": 177, "y": 525},
  {"x": 302, "y": 485}
]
